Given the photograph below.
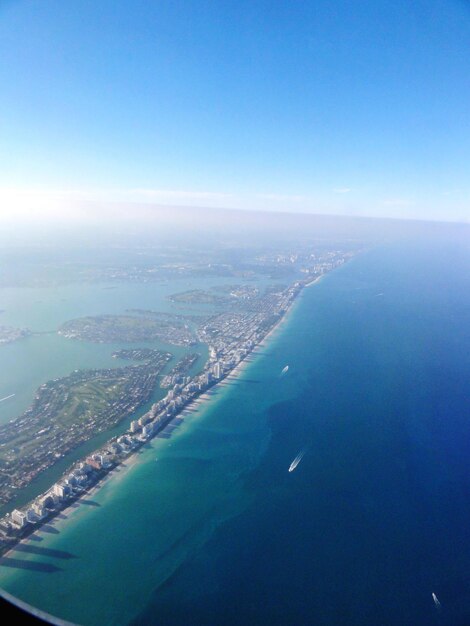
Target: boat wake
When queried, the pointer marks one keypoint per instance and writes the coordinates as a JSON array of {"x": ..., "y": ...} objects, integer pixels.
[
  {"x": 7, "y": 397},
  {"x": 436, "y": 601},
  {"x": 297, "y": 460}
]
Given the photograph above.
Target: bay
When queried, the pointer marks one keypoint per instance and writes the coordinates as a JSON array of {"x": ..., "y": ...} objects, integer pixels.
[{"x": 28, "y": 363}]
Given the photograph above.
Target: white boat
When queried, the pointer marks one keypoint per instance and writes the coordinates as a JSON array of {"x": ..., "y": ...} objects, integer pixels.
[
  {"x": 296, "y": 461},
  {"x": 436, "y": 601},
  {"x": 284, "y": 369}
]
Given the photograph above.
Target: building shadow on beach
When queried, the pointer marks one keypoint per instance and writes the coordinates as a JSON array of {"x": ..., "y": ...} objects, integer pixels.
[
  {"x": 49, "y": 552},
  {"x": 48, "y": 528},
  {"x": 33, "y": 566}
]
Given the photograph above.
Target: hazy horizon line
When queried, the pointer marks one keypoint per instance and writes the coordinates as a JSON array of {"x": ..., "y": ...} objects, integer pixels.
[{"x": 86, "y": 209}]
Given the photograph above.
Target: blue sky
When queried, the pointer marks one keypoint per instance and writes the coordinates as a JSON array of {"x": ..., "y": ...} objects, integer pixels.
[{"x": 350, "y": 107}]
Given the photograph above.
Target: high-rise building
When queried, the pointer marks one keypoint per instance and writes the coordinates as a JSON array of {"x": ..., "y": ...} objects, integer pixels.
[
  {"x": 71, "y": 480},
  {"x": 147, "y": 430},
  {"x": 19, "y": 518},
  {"x": 59, "y": 490},
  {"x": 104, "y": 459},
  {"x": 135, "y": 426},
  {"x": 47, "y": 500},
  {"x": 39, "y": 509}
]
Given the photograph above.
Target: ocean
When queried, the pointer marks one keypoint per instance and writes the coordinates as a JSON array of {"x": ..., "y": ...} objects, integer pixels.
[{"x": 210, "y": 527}]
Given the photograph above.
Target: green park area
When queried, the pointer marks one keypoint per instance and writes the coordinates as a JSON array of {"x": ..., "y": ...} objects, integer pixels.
[{"x": 65, "y": 408}]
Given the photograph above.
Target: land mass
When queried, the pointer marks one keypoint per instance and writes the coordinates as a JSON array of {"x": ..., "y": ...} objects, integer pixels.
[
  {"x": 223, "y": 295},
  {"x": 230, "y": 336},
  {"x": 181, "y": 370},
  {"x": 68, "y": 411},
  {"x": 128, "y": 328},
  {"x": 8, "y": 334}
]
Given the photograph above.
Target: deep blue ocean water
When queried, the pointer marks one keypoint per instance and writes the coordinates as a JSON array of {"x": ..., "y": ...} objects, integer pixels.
[
  {"x": 376, "y": 516},
  {"x": 374, "y": 519}
]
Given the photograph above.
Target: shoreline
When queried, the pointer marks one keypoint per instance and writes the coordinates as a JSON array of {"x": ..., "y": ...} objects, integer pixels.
[
  {"x": 76, "y": 504},
  {"x": 315, "y": 281},
  {"x": 186, "y": 411}
]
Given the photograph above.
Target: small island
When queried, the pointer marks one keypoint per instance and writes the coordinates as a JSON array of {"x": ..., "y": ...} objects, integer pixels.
[
  {"x": 199, "y": 296},
  {"x": 8, "y": 334},
  {"x": 180, "y": 371},
  {"x": 129, "y": 328},
  {"x": 221, "y": 296},
  {"x": 149, "y": 355}
]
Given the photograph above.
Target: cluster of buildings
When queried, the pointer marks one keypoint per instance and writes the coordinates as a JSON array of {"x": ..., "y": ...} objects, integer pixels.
[
  {"x": 44, "y": 433},
  {"x": 179, "y": 373},
  {"x": 231, "y": 336},
  {"x": 140, "y": 327},
  {"x": 79, "y": 479}
]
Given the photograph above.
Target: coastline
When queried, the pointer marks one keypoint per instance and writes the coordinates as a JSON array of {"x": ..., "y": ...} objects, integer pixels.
[
  {"x": 77, "y": 504},
  {"x": 146, "y": 547},
  {"x": 314, "y": 281},
  {"x": 194, "y": 405}
]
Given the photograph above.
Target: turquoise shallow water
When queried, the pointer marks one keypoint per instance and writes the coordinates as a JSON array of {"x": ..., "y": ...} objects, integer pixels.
[
  {"x": 209, "y": 527},
  {"x": 27, "y": 364},
  {"x": 154, "y": 513}
]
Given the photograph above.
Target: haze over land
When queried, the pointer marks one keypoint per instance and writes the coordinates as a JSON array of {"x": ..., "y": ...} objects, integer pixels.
[{"x": 127, "y": 225}]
